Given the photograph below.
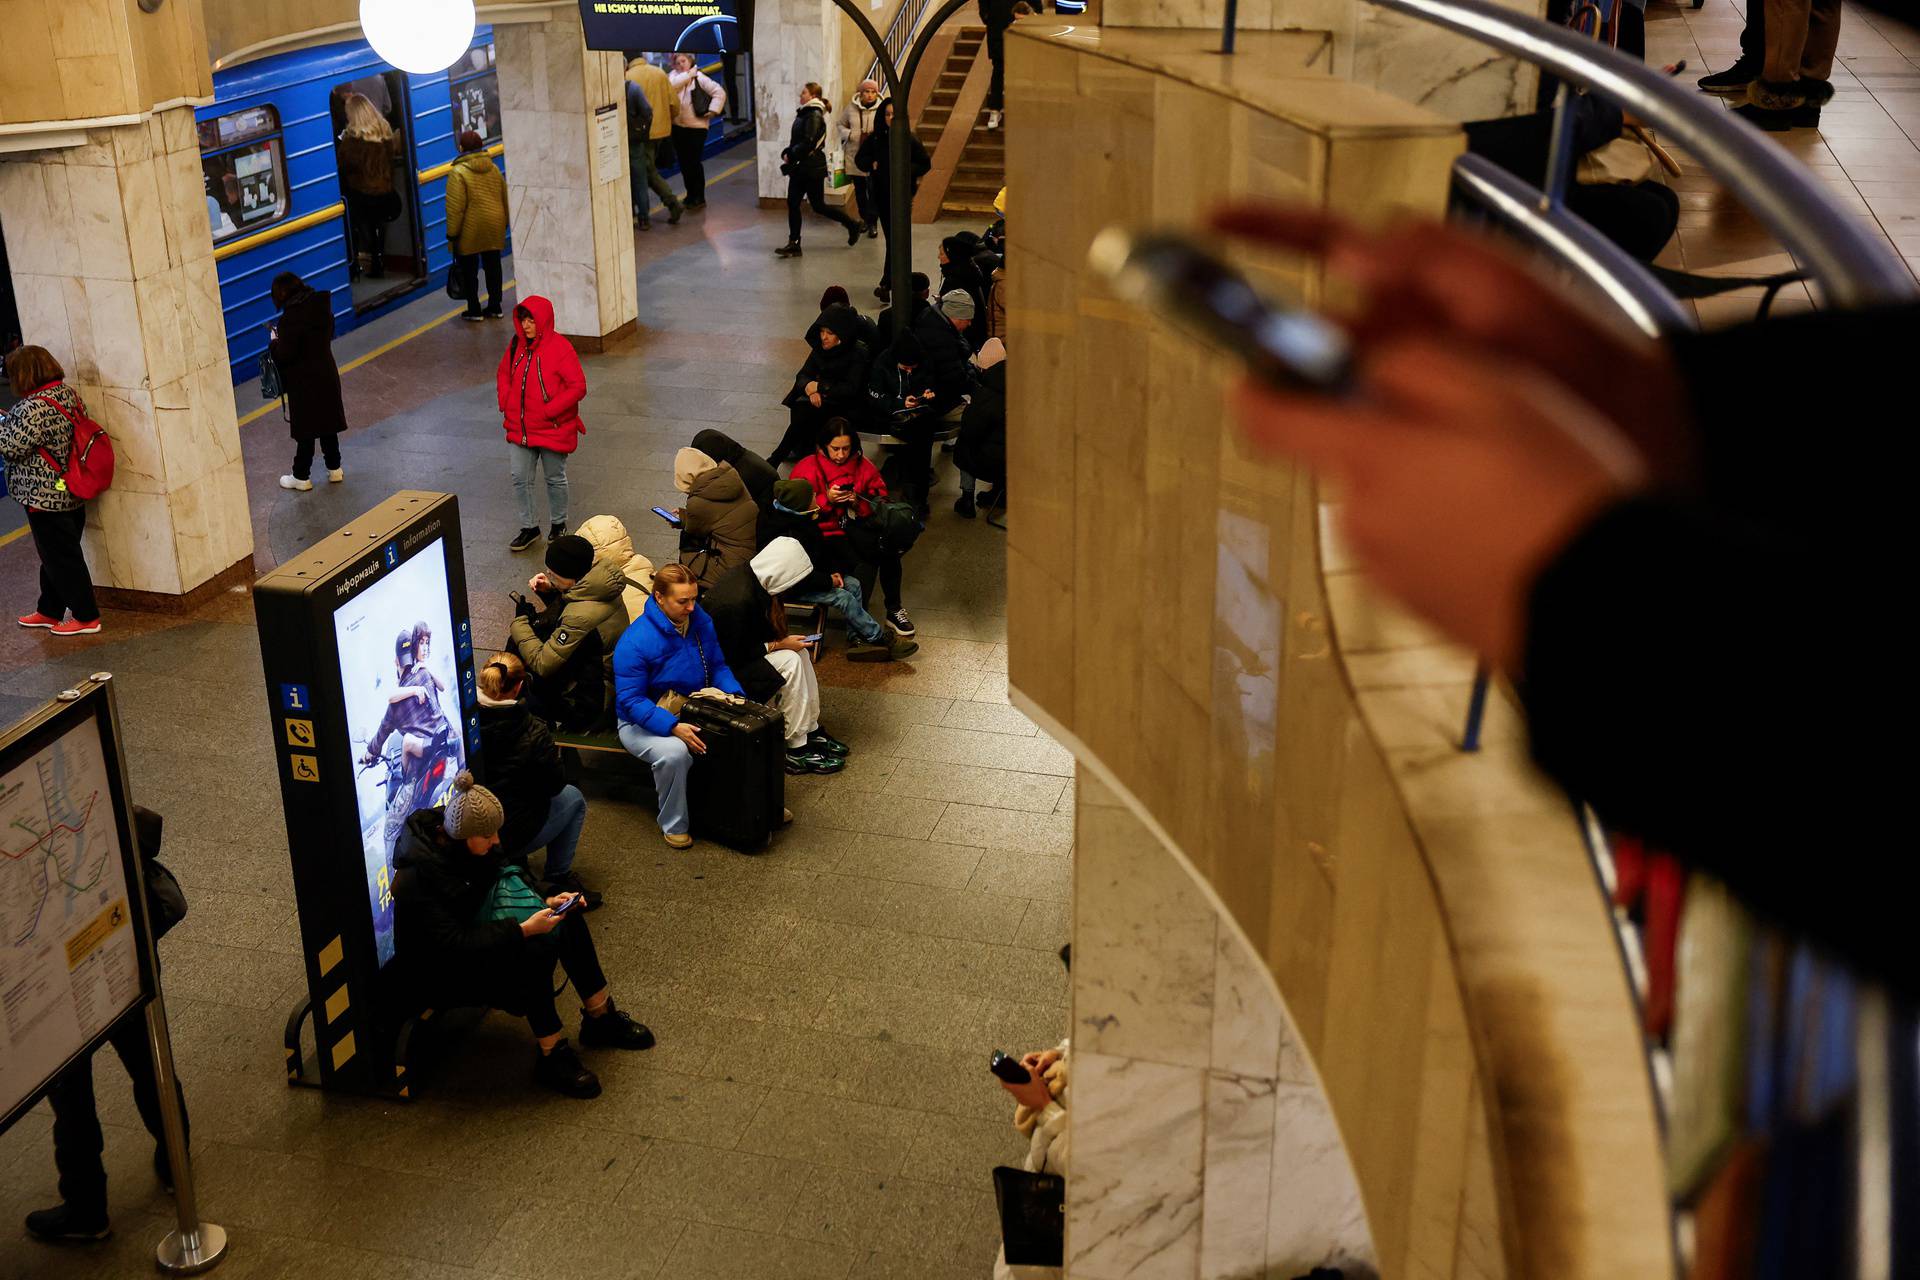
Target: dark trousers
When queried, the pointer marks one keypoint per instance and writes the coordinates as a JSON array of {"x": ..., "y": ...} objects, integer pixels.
[
  {"x": 329, "y": 449},
  {"x": 64, "y": 581},
  {"x": 1753, "y": 36},
  {"x": 370, "y": 223},
  {"x": 571, "y": 947},
  {"x": 996, "y": 54},
  {"x": 863, "y": 197},
  {"x": 812, "y": 188},
  {"x": 470, "y": 265},
  {"x": 883, "y": 213},
  {"x": 77, "y": 1142},
  {"x": 643, "y": 168},
  {"x": 803, "y": 432},
  {"x": 688, "y": 144}
]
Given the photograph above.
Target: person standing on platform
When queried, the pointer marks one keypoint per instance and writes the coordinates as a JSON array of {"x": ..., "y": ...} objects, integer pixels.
[
  {"x": 856, "y": 122},
  {"x": 36, "y": 436},
  {"x": 540, "y": 385},
  {"x": 477, "y": 223},
  {"x": 998, "y": 16},
  {"x": 649, "y": 121},
  {"x": 368, "y": 148},
  {"x": 698, "y": 102},
  {"x": 805, "y": 163},
  {"x": 876, "y": 157},
  {"x": 301, "y": 343}
]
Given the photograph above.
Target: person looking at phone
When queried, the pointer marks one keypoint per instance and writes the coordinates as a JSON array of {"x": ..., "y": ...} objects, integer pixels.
[
  {"x": 470, "y": 932},
  {"x": 520, "y": 764},
  {"x": 669, "y": 652},
  {"x": 831, "y": 384},
  {"x": 1040, "y": 1116},
  {"x": 750, "y": 618},
  {"x": 565, "y": 631},
  {"x": 756, "y": 472},
  {"x": 846, "y": 489},
  {"x": 717, "y": 524},
  {"x": 793, "y": 512}
]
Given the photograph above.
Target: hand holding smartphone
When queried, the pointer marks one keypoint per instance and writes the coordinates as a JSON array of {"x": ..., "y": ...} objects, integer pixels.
[
  {"x": 668, "y": 516},
  {"x": 1008, "y": 1068},
  {"x": 572, "y": 900}
]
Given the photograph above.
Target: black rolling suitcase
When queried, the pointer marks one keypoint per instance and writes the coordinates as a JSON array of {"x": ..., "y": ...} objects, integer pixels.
[{"x": 737, "y": 791}]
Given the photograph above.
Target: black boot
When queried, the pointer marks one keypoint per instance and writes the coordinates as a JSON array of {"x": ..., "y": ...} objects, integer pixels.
[
  {"x": 791, "y": 249},
  {"x": 963, "y": 505},
  {"x": 524, "y": 539},
  {"x": 64, "y": 1224},
  {"x": 561, "y": 1070},
  {"x": 612, "y": 1029},
  {"x": 1732, "y": 82}
]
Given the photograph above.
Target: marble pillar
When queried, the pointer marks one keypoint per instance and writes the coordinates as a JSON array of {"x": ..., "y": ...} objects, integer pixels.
[
  {"x": 114, "y": 273},
  {"x": 794, "y": 41},
  {"x": 563, "y": 114},
  {"x": 1203, "y": 1145}
]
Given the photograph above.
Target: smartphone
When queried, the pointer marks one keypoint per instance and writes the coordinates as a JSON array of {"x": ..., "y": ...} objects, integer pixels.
[
  {"x": 573, "y": 900},
  {"x": 812, "y": 639},
  {"x": 1008, "y": 1069},
  {"x": 1283, "y": 346},
  {"x": 668, "y": 516}
]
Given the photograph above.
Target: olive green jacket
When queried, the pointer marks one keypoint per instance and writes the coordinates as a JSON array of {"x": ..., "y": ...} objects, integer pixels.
[{"x": 476, "y": 205}]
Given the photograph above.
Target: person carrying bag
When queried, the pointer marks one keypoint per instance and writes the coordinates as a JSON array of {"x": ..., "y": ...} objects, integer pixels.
[{"x": 57, "y": 459}]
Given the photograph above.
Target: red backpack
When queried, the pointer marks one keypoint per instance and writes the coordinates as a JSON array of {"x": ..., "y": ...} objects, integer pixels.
[{"x": 89, "y": 467}]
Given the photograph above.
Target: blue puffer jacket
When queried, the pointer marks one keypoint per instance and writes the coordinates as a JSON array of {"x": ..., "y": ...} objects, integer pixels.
[{"x": 653, "y": 658}]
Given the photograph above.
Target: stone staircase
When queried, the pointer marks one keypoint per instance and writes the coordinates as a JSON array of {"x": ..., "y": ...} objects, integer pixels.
[{"x": 981, "y": 169}]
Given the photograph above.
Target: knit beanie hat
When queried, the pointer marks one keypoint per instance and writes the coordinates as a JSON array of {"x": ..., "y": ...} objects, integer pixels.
[
  {"x": 906, "y": 349},
  {"x": 570, "y": 556},
  {"x": 956, "y": 304},
  {"x": 795, "y": 496},
  {"x": 472, "y": 810}
]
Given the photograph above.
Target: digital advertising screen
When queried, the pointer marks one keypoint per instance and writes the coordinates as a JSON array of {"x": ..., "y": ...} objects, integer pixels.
[
  {"x": 401, "y": 692},
  {"x": 668, "y": 26}
]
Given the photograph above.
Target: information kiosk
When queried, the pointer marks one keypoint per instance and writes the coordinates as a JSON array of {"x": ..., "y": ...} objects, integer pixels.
[{"x": 368, "y": 654}]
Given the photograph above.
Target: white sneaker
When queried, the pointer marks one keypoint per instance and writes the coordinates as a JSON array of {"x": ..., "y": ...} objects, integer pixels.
[
  {"x": 993, "y": 119},
  {"x": 336, "y": 474},
  {"x": 293, "y": 482}
]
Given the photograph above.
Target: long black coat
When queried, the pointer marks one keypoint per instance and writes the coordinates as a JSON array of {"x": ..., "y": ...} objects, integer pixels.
[
  {"x": 303, "y": 348},
  {"x": 742, "y": 614}
]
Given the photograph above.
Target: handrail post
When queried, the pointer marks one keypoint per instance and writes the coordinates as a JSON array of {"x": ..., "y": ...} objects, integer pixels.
[
  {"x": 1228, "y": 24},
  {"x": 1553, "y": 194}
]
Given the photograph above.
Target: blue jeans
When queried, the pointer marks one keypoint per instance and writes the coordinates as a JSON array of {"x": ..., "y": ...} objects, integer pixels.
[
  {"x": 847, "y": 600},
  {"x": 554, "y": 464},
  {"x": 670, "y": 760},
  {"x": 560, "y": 836}
]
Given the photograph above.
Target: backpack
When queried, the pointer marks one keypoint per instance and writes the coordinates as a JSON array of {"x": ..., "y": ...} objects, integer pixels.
[
  {"x": 89, "y": 466},
  {"x": 891, "y": 530}
]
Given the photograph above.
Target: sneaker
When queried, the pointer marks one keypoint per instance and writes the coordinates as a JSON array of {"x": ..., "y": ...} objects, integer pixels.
[
  {"x": 296, "y": 483},
  {"x": 873, "y": 232},
  {"x": 678, "y": 840},
  {"x": 570, "y": 883},
  {"x": 63, "y": 1224},
  {"x": 612, "y": 1029},
  {"x": 38, "y": 620},
  {"x": 694, "y": 204},
  {"x": 561, "y": 1070},
  {"x": 963, "y": 505},
  {"x": 808, "y": 760},
  {"x": 645, "y": 224},
  {"x": 791, "y": 249},
  {"x": 786, "y": 817},
  {"x": 853, "y": 234},
  {"x": 993, "y": 119},
  {"x": 673, "y": 216},
  {"x": 524, "y": 539},
  {"x": 478, "y": 317},
  {"x": 1733, "y": 81},
  {"x": 336, "y": 474},
  {"x": 494, "y": 313},
  {"x": 822, "y": 741},
  {"x": 902, "y": 624},
  {"x": 557, "y": 531},
  {"x": 75, "y": 627}
]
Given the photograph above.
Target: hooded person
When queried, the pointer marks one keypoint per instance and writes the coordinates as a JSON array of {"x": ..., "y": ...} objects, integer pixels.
[
  {"x": 958, "y": 270},
  {"x": 875, "y": 155},
  {"x": 836, "y": 296},
  {"x": 520, "y": 763},
  {"x": 831, "y": 384},
  {"x": 755, "y": 471},
  {"x": 750, "y": 619},
  {"x": 469, "y": 929},
  {"x": 566, "y": 632},
  {"x": 540, "y": 385},
  {"x": 611, "y": 542},
  {"x": 794, "y": 513},
  {"x": 717, "y": 524}
]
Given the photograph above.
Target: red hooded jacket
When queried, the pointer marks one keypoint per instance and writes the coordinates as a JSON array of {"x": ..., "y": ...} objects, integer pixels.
[
  {"x": 541, "y": 384},
  {"x": 856, "y": 473}
]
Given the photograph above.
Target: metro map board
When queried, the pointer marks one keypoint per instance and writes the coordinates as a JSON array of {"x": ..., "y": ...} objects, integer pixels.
[{"x": 666, "y": 26}]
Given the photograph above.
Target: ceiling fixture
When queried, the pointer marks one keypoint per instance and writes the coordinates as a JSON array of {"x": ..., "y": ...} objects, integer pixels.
[{"x": 420, "y": 36}]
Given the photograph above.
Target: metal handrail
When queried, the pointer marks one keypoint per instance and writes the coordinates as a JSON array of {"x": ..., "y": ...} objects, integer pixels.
[
  {"x": 900, "y": 33},
  {"x": 1853, "y": 268}
]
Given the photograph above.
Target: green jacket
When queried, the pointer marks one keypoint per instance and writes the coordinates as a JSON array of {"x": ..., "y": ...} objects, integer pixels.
[
  {"x": 476, "y": 204},
  {"x": 591, "y": 604}
]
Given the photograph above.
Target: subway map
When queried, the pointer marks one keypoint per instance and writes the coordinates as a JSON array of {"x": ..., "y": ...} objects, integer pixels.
[{"x": 68, "y": 954}]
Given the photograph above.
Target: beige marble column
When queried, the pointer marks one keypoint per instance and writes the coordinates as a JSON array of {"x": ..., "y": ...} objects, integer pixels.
[
  {"x": 113, "y": 268},
  {"x": 567, "y": 186},
  {"x": 794, "y": 41}
]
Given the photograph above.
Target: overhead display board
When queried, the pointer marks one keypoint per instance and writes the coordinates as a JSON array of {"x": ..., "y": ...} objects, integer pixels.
[
  {"x": 668, "y": 26},
  {"x": 73, "y": 957},
  {"x": 368, "y": 655}
]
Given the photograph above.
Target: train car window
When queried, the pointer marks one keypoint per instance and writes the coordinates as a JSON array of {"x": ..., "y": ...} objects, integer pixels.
[
  {"x": 474, "y": 86},
  {"x": 244, "y": 171}
]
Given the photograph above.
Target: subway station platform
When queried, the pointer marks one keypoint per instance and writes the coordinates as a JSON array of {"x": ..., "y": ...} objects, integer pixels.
[{"x": 818, "y": 1104}]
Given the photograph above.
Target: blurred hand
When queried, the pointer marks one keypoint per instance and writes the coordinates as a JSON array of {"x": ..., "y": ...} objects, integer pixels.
[
  {"x": 537, "y": 583},
  {"x": 1033, "y": 1094},
  {"x": 794, "y": 643},
  {"x": 1039, "y": 1062}
]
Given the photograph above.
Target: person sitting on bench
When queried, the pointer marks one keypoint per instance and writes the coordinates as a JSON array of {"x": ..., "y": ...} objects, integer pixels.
[
  {"x": 520, "y": 764},
  {"x": 471, "y": 931},
  {"x": 566, "y": 634},
  {"x": 793, "y": 513},
  {"x": 774, "y": 667},
  {"x": 669, "y": 652}
]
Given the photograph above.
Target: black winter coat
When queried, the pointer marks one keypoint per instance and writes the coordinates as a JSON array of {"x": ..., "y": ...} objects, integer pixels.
[
  {"x": 521, "y": 765},
  {"x": 742, "y": 614},
  {"x": 981, "y": 450},
  {"x": 754, "y": 470},
  {"x": 806, "y": 151},
  {"x": 806, "y": 531},
  {"x": 946, "y": 366},
  {"x": 438, "y": 891},
  {"x": 302, "y": 346},
  {"x": 876, "y": 157}
]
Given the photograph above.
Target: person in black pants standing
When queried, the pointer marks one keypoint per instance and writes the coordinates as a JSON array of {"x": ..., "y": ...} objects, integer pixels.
[
  {"x": 36, "y": 437},
  {"x": 81, "y": 1215},
  {"x": 998, "y": 15},
  {"x": 805, "y": 163},
  {"x": 698, "y": 102},
  {"x": 301, "y": 343}
]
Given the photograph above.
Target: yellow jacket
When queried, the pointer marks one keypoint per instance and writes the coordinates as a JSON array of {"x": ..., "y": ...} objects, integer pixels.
[
  {"x": 476, "y": 204},
  {"x": 660, "y": 96}
]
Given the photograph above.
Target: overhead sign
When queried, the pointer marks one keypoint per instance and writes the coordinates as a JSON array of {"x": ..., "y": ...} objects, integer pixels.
[{"x": 668, "y": 26}]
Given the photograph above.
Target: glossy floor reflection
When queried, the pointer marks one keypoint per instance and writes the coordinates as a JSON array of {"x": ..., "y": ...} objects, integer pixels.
[{"x": 818, "y": 1104}]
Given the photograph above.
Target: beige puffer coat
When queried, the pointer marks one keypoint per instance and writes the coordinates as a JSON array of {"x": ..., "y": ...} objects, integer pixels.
[{"x": 611, "y": 542}]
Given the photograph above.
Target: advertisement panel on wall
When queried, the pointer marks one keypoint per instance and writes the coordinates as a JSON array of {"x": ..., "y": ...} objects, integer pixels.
[{"x": 666, "y": 26}]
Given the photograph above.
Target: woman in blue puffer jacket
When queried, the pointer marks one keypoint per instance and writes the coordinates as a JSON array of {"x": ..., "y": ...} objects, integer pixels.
[{"x": 670, "y": 649}]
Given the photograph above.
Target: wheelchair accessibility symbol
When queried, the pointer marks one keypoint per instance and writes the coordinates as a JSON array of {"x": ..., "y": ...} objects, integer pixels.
[{"x": 306, "y": 769}]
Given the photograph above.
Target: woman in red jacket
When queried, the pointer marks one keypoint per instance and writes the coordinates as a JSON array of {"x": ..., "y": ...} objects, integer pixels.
[
  {"x": 846, "y": 488},
  {"x": 541, "y": 385}
]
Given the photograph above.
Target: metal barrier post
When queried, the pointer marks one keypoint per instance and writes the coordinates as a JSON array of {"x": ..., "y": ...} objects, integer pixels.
[
  {"x": 1228, "y": 24},
  {"x": 196, "y": 1246}
]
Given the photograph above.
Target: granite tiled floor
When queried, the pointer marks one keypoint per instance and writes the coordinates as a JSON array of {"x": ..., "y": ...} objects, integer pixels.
[{"x": 817, "y": 1105}]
